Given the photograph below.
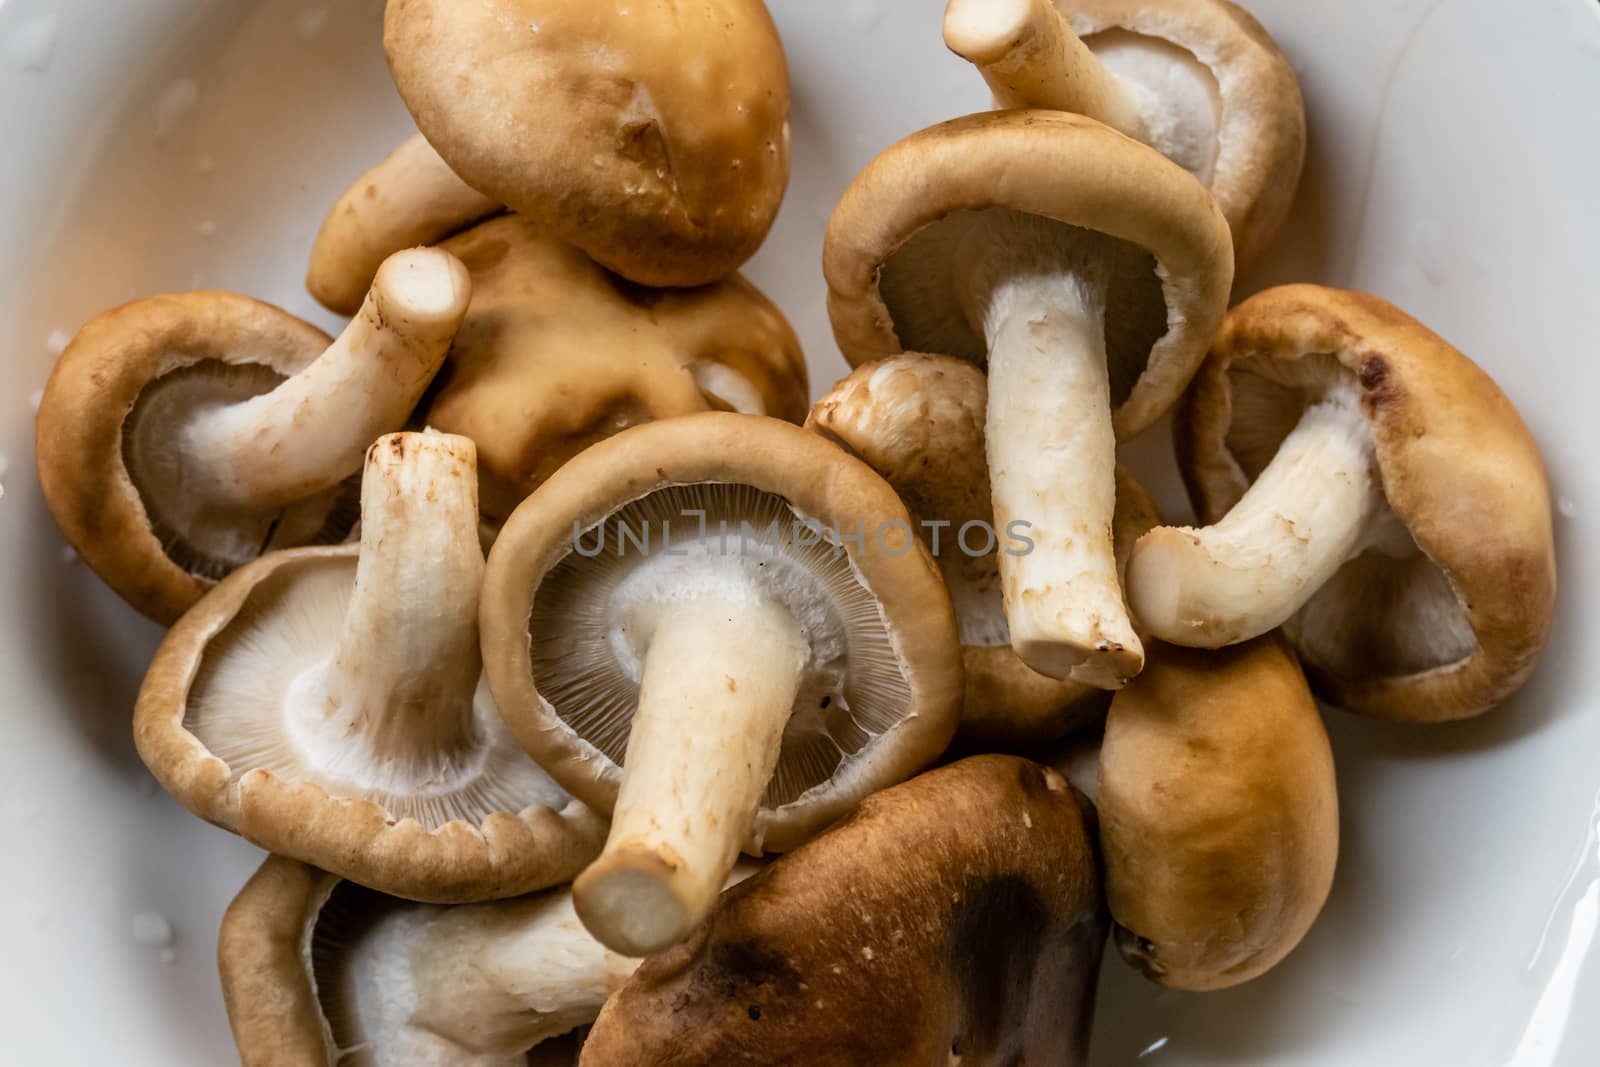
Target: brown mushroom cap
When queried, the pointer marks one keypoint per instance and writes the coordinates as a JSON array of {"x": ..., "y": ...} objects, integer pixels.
[
  {"x": 891, "y": 290},
  {"x": 182, "y": 436},
  {"x": 1218, "y": 813},
  {"x": 954, "y": 918},
  {"x": 318, "y": 972},
  {"x": 653, "y": 136},
  {"x": 419, "y": 791},
  {"x": 918, "y": 420},
  {"x": 557, "y": 353},
  {"x": 1454, "y": 619},
  {"x": 1253, "y": 152}
]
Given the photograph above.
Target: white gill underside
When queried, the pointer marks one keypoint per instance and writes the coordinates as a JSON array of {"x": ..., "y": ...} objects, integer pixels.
[{"x": 1176, "y": 95}]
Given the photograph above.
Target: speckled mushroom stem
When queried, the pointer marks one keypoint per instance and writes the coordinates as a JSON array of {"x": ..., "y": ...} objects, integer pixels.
[
  {"x": 1052, "y": 466},
  {"x": 408, "y": 663},
  {"x": 719, "y": 682},
  {"x": 1031, "y": 59},
  {"x": 309, "y": 433},
  {"x": 1311, "y": 511},
  {"x": 412, "y": 198}
]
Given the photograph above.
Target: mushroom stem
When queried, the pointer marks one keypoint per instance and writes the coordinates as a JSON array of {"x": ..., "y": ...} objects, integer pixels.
[
  {"x": 412, "y": 198},
  {"x": 1031, "y": 59},
  {"x": 308, "y": 434},
  {"x": 1052, "y": 466},
  {"x": 1311, "y": 511},
  {"x": 719, "y": 683},
  {"x": 407, "y": 666}
]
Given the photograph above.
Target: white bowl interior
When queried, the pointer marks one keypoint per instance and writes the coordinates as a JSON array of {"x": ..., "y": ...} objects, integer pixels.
[{"x": 178, "y": 144}]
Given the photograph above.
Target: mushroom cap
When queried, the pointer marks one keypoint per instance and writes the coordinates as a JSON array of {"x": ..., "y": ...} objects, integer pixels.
[
  {"x": 117, "y": 371},
  {"x": 1455, "y": 628},
  {"x": 918, "y": 420},
  {"x": 971, "y": 931},
  {"x": 290, "y": 605},
  {"x": 282, "y": 980},
  {"x": 787, "y": 472},
  {"x": 654, "y": 137},
  {"x": 1254, "y": 166},
  {"x": 1219, "y": 813},
  {"x": 892, "y": 284},
  {"x": 557, "y": 353}
]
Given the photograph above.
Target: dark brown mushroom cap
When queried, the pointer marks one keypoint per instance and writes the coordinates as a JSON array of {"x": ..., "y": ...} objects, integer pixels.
[
  {"x": 557, "y": 353},
  {"x": 1175, "y": 254},
  {"x": 813, "y": 480},
  {"x": 653, "y": 136},
  {"x": 954, "y": 918},
  {"x": 96, "y": 387},
  {"x": 508, "y": 853},
  {"x": 918, "y": 420},
  {"x": 1261, "y": 121},
  {"x": 1459, "y": 469}
]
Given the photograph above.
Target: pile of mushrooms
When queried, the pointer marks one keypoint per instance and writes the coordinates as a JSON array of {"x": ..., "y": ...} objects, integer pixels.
[{"x": 507, "y": 790}]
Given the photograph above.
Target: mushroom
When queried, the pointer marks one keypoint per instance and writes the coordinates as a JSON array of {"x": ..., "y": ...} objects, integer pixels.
[
  {"x": 182, "y": 436},
  {"x": 558, "y": 353},
  {"x": 1219, "y": 815},
  {"x": 412, "y": 198},
  {"x": 956, "y": 919},
  {"x": 742, "y": 612},
  {"x": 1201, "y": 80},
  {"x": 1370, "y": 489},
  {"x": 317, "y": 971},
  {"x": 918, "y": 421},
  {"x": 655, "y": 137},
  {"x": 1090, "y": 272},
  {"x": 327, "y": 703}
]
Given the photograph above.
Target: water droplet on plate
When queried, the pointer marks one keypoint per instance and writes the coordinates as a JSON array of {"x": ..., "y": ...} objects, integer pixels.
[
  {"x": 1568, "y": 507},
  {"x": 36, "y": 398},
  {"x": 175, "y": 102},
  {"x": 68, "y": 555},
  {"x": 33, "y": 44},
  {"x": 57, "y": 343},
  {"x": 311, "y": 22},
  {"x": 152, "y": 928}
]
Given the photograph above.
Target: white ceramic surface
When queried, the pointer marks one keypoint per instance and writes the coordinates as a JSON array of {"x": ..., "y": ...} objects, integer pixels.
[{"x": 158, "y": 145}]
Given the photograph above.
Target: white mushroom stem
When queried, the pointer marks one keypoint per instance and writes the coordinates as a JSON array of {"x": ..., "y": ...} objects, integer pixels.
[
  {"x": 719, "y": 683},
  {"x": 1052, "y": 466},
  {"x": 309, "y": 433},
  {"x": 412, "y": 198},
  {"x": 491, "y": 981},
  {"x": 1312, "y": 510},
  {"x": 407, "y": 666},
  {"x": 1031, "y": 59}
]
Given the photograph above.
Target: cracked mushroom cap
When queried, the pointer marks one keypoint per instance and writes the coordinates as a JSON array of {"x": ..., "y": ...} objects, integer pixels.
[
  {"x": 181, "y": 437},
  {"x": 557, "y": 353},
  {"x": 895, "y": 286},
  {"x": 1219, "y": 813},
  {"x": 328, "y": 704},
  {"x": 318, "y": 972},
  {"x": 745, "y": 613},
  {"x": 956, "y": 918},
  {"x": 653, "y": 136},
  {"x": 1439, "y": 600},
  {"x": 918, "y": 420}
]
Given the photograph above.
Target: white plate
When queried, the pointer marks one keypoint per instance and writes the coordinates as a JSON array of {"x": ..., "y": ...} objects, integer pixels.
[{"x": 162, "y": 145}]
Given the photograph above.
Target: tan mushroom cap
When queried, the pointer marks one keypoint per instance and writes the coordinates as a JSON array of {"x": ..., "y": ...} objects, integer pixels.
[
  {"x": 1260, "y": 121},
  {"x": 422, "y": 793},
  {"x": 955, "y": 918},
  {"x": 653, "y": 136},
  {"x": 815, "y": 481},
  {"x": 99, "y": 379},
  {"x": 317, "y": 971},
  {"x": 1058, "y": 167},
  {"x": 918, "y": 420},
  {"x": 1218, "y": 813},
  {"x": 411, "y": 198},
  {"x": 557, "y": 353},
  {"x": 1456, "y": 466}
]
